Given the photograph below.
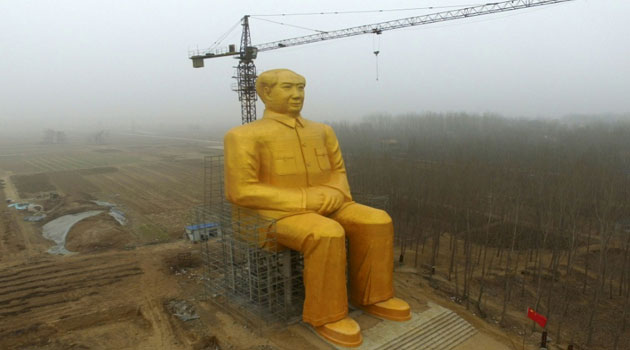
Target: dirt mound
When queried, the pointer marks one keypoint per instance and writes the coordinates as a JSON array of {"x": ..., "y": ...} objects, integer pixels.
[
  {"x": 178, "y": 262},
  {"x": 99, "y": 232}
]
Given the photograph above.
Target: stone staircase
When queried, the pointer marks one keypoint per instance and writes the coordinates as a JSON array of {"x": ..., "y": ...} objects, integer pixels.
[
  {"x": 435, "y": 328},
  {"x": 442, "y": 332}
]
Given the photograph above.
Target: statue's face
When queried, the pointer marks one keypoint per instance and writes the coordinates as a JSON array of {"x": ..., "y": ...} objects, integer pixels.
[{"x": 287, "y": 96}]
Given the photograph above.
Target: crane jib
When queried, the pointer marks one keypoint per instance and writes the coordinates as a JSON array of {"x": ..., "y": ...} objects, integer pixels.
[
  {"x": 246, "y": 69},
  {"x": 377, "y": 28}
]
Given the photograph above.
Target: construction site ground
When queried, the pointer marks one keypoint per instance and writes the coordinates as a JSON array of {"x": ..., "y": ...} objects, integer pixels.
[{"x": 118, "y": 289}]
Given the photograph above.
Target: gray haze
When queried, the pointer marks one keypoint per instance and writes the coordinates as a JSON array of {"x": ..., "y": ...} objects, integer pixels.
[{"x": 120, "y": 64}]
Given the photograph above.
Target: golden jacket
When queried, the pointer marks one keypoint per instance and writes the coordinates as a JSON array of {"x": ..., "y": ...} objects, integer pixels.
[{"x": 270, "y": 162}]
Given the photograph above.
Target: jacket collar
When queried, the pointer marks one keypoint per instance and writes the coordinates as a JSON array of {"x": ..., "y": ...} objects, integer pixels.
[{"x": 284, "y": 119}]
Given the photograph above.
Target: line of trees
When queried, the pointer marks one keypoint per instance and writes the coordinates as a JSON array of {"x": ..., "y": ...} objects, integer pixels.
[
  {"x": 54, "y": 136},
  {"x": 507, "y": 214}
]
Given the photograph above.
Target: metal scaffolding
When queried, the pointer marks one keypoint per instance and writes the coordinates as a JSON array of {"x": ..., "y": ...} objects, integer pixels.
[
  {"x": 213, "y": 197},
  {"x": 244, "y": 267}
]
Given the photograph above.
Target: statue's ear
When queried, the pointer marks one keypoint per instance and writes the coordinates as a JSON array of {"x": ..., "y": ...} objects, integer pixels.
[{"x": 267, "y": 93}]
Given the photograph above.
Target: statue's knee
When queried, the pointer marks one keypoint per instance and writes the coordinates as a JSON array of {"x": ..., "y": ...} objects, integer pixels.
[
  {"x": 328, "y": 229},
  {"x": 378, "y": 217},
  {"x": 329, "y": 234}
]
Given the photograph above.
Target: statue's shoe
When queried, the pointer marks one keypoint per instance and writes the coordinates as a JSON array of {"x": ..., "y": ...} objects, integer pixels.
[
  {"x": 345, "y": 332},
  {"x": 393, "y": 309}
]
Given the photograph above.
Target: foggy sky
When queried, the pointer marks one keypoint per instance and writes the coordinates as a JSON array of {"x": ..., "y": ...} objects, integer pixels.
[{"x": 66, "y": 64}]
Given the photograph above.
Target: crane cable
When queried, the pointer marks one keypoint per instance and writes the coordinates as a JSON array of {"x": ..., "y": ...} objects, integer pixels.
[
  {"x": 362, "y": 11},
  {"x": 343, "y": 12},
  {"x": 289, "y": 25},
  {"x": 376, "y": 49},
  {"x": 224, "y": 36},
  {"x": 376, "y": 42}
]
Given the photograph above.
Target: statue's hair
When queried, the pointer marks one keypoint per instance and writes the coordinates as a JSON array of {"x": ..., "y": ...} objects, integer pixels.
[{"x": 269, "y": 79}]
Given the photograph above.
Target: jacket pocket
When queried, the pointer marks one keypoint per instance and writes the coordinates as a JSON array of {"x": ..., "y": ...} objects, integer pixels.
[
  {"x": 284, "y": 163},
  {"x": 322, "y": 158}
]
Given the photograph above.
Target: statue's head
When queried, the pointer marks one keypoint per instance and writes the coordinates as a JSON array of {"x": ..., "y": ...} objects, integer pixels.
[{"x": 282, "y": 91}]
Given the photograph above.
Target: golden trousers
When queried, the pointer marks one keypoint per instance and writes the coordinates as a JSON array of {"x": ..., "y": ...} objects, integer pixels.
[{"x": 321, "y": 240}]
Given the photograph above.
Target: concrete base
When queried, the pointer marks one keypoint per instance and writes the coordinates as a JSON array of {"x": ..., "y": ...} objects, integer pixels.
[{"x": 435, "y": 328}]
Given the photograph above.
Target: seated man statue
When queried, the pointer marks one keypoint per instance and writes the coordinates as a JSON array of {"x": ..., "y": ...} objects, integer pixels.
[{"x": 290, "y": 169}]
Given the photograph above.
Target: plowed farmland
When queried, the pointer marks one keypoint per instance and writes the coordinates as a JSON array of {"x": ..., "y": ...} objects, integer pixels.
[{"x": 112, "y": 291}]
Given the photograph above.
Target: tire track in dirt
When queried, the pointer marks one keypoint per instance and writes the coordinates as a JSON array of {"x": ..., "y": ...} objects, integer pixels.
[
  {"x": 182, "y": 172},
  {"x": 38, "y": 166},
  {"x": 27, "y": 285},
  {"x": 13, "y": 239},
  {"x": 35, "y": 287},
  {"x": 46, "y": 286},
  {"x": 43, "y": 300},
  {"x": 130, "y": 196},
  {"x": 154, "y": 190},
  {"x": 137, "y": 192},
  {"x": 72, "y": 182},
  {"x": 48, "y": 164},
  {"x": 50, "y": 265},
  {"x": 190, "y": 180},
  {"x": 162, "y": 328},
  {"x": 82, "y": 163},
  {"x": 34, "y": 167},
  {"x": 24, "y": 307},
  {"x": 159, "y": 202},
  {"x": 174, "y": 185},
  {"x": 147, "y": 203},
  {"x": 74, "y": 162},
  {"x": 165, "y": 189},
  {"x": 60, "y": 163},
  {"x": 170, "y": 185}
]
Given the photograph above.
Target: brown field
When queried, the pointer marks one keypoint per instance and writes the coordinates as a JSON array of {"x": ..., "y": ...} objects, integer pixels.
[{"x": 113, "y": 293}]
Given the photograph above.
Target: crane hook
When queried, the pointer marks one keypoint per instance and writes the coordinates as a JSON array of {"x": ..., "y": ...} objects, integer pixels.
[{"x": 376, "y": 43}]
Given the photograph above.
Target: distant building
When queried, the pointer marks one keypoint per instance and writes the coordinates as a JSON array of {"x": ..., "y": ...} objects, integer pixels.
[{"x": 203, "y": 232}]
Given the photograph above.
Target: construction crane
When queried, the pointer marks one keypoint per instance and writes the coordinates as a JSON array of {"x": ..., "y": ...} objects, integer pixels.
[{"x": 246, "y": 69}]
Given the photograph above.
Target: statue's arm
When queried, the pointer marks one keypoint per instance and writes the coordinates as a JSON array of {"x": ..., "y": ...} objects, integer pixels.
[
  {"x": 338, "y": 178},
  {"x": 242, "y": 185}
]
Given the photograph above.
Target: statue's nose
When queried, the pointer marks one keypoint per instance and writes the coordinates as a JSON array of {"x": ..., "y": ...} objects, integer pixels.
[{"x": 295, "y": 92}]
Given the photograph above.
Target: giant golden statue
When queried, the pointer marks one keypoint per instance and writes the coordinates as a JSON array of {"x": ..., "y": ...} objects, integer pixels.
[{"x": 291, "y": 169}]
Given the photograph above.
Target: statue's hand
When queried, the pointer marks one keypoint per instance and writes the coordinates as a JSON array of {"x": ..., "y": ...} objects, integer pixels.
[
  {"x": 314, "y": 198},
  {"x": 332, "y": 201},
  {"x": 323, "y": 200}
]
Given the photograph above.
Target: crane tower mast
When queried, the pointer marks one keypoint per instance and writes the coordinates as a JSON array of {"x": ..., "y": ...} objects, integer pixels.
[
  {"x": 246, "y": 69},
  {"x": 246, "y": 76}
]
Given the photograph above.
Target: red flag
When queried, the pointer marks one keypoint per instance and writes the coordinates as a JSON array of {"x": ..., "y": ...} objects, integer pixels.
[{"x": 538, "y": 318}]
